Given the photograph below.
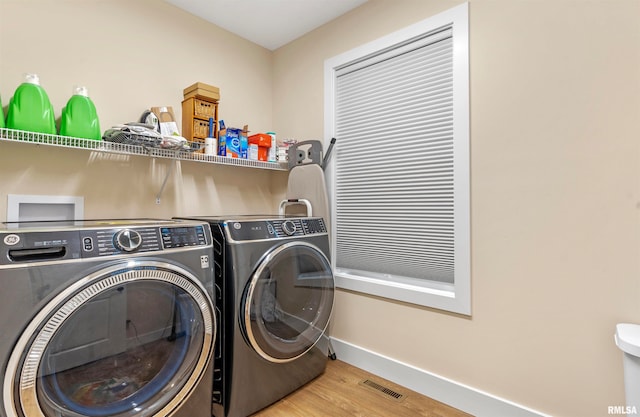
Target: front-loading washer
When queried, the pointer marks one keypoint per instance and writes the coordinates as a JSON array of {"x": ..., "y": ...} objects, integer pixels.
[
  {"x": 106, "y": 318},
  {"x": 276, "y": 291}
]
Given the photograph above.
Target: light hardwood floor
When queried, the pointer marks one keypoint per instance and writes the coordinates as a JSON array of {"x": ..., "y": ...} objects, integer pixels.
[{"x": 339, "y": 392}]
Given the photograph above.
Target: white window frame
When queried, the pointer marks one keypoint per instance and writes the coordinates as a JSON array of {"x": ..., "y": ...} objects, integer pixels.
[{"x": 454, "y": 297}]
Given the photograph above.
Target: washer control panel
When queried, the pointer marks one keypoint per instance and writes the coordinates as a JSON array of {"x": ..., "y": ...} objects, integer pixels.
[
  {"x": 146, "y": 239},
  {"x": 275, "y": 229},
  {"x": 42, "y": 246},
  {"x": 105, "y": 242}
]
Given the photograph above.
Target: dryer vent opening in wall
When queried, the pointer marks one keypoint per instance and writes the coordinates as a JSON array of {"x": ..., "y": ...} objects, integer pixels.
[
  {"x": 387, "y": 392},
  {"x": 22, "y": 208}
]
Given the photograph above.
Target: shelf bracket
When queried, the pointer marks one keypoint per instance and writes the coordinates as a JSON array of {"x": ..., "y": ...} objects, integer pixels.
[{"x": 173, "y": 162}]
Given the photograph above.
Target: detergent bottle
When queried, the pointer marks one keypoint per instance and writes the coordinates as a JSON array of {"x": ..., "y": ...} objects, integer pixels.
[
  {"x": 1, "y": 114},
  {"x": 30, "y": 108},
  {"x": 79, "y": 117}
]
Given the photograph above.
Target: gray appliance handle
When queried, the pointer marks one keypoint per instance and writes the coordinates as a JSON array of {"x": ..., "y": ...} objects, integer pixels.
[{"x": 285, "y": 203}]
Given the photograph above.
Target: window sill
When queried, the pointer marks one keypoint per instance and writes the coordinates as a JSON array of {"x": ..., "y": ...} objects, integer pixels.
[{"x": 430, "y": 294}]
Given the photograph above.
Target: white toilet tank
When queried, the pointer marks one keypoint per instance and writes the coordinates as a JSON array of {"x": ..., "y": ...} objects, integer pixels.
[{"x": 627, "y": 338}]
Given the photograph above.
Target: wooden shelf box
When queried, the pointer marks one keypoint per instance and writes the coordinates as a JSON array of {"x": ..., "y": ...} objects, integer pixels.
[{"x": 196, "y": 114}]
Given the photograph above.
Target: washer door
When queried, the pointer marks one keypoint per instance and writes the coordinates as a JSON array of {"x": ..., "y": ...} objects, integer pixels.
[
  {"x": 288, "y": 302},
  {"x": 131, "y": 340}
]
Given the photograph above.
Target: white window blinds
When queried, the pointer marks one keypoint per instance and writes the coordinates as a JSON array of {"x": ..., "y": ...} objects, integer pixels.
[{"x": 394, "y": 178}]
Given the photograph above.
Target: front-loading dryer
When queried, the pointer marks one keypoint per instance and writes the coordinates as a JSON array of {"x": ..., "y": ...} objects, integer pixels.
[
  {"x": 276, "y": 291},
  {"x": 106, "y": 318}
]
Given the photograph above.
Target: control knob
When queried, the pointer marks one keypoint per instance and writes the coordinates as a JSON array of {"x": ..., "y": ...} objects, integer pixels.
[
  {"x": 127, "y": 240},
  {"x": 288, "y": 227}
]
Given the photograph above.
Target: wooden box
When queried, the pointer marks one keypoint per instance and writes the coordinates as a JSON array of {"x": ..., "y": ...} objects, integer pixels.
[{"x": 202, "y": 91}]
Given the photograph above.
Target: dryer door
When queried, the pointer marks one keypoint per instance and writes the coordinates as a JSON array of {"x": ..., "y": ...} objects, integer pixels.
[
  {"x": 130, "y": 340},
  {"x": 288, "y": 301}
]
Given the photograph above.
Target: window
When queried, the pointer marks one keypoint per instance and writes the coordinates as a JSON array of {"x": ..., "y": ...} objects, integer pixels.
[{"x": 399, "y": 180}]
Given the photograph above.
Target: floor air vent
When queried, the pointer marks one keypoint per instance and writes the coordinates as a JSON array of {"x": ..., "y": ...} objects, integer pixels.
[{"x": 387, "y": 392}]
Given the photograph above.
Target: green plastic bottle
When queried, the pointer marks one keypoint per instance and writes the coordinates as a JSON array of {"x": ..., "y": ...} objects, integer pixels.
[
  {"x": 79, "y": 117},
  {"x": 30, "y": 108},
  {"x": 1, "y": 114}
]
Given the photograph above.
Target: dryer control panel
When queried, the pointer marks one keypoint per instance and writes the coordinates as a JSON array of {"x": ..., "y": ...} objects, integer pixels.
[{"x": 275, "y": 229}]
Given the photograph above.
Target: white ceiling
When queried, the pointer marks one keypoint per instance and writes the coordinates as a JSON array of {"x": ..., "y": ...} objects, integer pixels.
[{"x": 269, "y": 23}]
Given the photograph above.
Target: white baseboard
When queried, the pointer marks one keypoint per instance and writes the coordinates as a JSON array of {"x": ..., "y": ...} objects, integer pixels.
[{"x": 442, "y": 389}]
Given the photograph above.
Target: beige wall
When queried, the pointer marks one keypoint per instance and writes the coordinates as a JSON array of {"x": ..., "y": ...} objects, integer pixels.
[
  {"x": 555, "y": 176},
  {"x": 555, "y": 114},
  {"x": 133, "y": 55}
]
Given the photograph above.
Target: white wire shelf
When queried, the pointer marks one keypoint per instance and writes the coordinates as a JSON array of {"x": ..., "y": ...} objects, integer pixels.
[{"x": 11, "y": 135}]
